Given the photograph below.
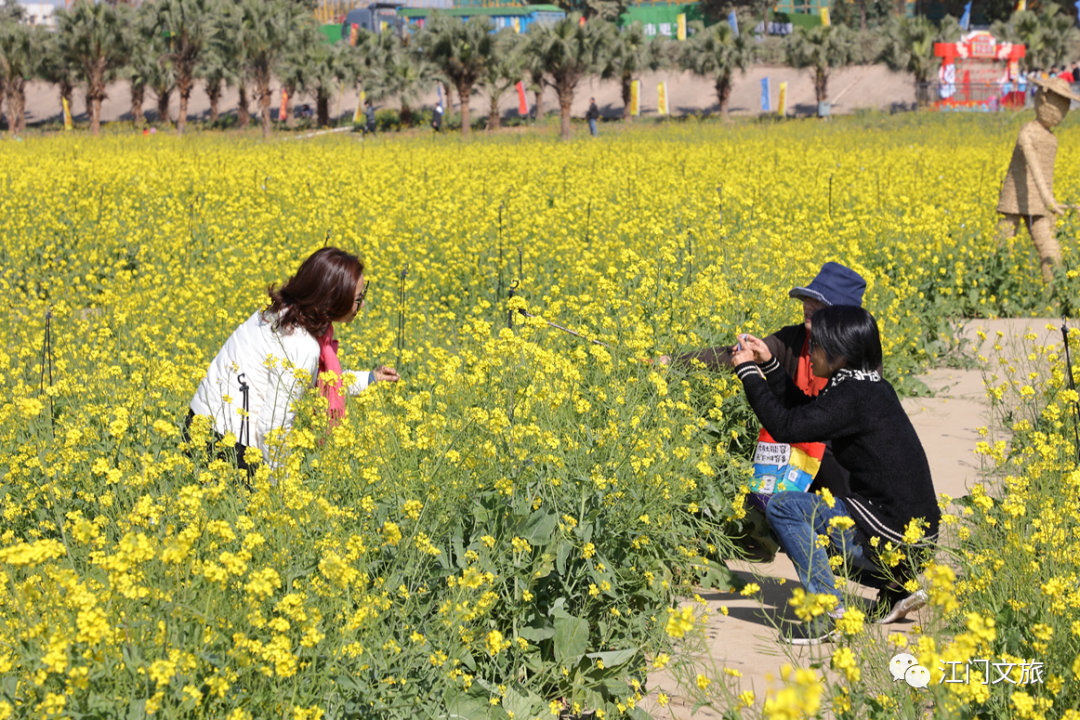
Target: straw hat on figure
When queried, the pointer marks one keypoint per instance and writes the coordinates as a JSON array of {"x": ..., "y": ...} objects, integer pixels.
[{"x": 1028, "y": 191}]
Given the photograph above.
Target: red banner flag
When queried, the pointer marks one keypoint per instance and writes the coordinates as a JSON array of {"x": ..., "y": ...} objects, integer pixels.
[
  {"x": 283, "y": 114},
  {"x": 523, "y": 102}
]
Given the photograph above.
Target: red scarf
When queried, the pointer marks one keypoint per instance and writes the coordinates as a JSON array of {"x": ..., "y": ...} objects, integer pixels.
[
  {"x": 804, "y": 376},
  {"x": 328, "y": 362}
]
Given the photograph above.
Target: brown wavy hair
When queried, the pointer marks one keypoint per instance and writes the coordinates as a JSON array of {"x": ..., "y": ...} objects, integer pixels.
[{"x": 323, "y": 290}]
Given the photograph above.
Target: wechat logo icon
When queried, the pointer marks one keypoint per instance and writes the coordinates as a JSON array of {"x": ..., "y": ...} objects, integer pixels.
[{"x": 904, "y": 666}]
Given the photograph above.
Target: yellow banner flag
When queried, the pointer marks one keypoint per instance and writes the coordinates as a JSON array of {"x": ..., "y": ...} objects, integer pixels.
[
  {"x": 635, "y": 97},
  {"x": 516, "y": 22},
  {"x": 67, "y": 113},
  {"x": 1021, "y": 6},
  {"x": 359, "y": 114},
  {"x": 825, "y": 16},
  {"x": 781, "y": 105},
  {"x": 681, "y": 32},
  {"x": 662, "y": 99}
]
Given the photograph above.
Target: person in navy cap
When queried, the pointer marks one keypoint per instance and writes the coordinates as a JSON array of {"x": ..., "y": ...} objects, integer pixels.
[{"x": 790, "y": 346}]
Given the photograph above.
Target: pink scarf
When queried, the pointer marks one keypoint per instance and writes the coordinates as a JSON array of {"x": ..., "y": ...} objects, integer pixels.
[{"x": 328, "y": 362}]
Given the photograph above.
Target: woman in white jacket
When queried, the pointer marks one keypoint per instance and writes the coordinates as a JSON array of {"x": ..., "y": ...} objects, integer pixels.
[{"x": 250, "y": 386}]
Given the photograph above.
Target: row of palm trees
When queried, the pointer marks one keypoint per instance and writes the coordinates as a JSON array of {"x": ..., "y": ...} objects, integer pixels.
[{"x": 168, "y": 46}]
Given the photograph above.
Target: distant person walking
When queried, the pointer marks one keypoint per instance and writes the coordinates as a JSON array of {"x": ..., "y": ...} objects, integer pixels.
[
  {"x": 592, "y": 116},
  {"x": 437, "y": 118},
  {"x": 369, "y": 114}
]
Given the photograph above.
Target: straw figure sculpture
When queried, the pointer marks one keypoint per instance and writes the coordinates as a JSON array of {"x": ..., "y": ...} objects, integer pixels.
[{"x": 1028, "y": 190}]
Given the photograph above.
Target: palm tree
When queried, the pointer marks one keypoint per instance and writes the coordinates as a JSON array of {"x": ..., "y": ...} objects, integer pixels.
[
  {"x": 909, "y": 47},
  {"x": 56, "y": 68},
  {"x": 294, "y": 70},
  {"x": 632, "y": 52},
  {"x": 717, "y": 52},
  {"x": 569, "y": 50},
  {"x": 1047, "y": 36},
  {"x": 215, "y": 73},
  {"x": 95, "y": 40},
  {"x": 188, "y": 28},
  {"x": 20, "y": 53},
  {"x": 821, "y": 48},
  {"x": 225, "y": 62},
  {"x": 326, "y": 66},
  {"x": 534, "y": 70},
  {"x": 462, "y": 51},
  {"x": 405, "y": 74},
  {"x": 161, "y": 77},
  {"x": 503, "y": 72},
  {"x": 141, "y": 67},
  {"x": 267, "y": 29}
]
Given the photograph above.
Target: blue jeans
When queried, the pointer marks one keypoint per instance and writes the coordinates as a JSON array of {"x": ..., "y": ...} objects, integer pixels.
[
  {"x": 798, "y": 518},
  {"x": 592, "y": 127}
]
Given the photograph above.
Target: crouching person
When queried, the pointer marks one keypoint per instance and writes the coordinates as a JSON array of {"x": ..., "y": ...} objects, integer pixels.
[{"x": 891, "y": 494}]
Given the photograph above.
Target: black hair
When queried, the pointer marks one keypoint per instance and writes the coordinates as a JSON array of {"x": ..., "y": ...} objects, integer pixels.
[{"x": 848, "y": 332}]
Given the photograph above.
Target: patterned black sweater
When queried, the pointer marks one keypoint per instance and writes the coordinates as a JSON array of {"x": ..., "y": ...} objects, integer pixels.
[{"x": 871, "y": 436}]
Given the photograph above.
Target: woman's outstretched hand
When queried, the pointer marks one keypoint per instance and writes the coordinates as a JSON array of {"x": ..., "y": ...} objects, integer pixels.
[
  {"x": 386, "y": 374},
  {"x": 751, "y": 349},
  {"x": 761, "y": 351}
]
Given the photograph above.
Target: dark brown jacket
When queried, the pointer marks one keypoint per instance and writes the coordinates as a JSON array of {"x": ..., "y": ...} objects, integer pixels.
[{"x": 785, "y": 344}]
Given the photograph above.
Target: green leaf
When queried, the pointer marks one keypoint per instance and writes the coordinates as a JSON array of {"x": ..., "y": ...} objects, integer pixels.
[
  {"x": 521, "y": 703},
  {"x": 719, "y": 577},
  {"x": 539, "y": 527},
  {"x": 537, "y": 632},
  {"x": 571, "y": 638},
  {"x": 614, "y": 658},
  {"x": 471, "y": 704}
]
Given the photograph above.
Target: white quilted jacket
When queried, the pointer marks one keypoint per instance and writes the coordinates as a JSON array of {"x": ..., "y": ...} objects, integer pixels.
[{"x": 264, "y": 362}]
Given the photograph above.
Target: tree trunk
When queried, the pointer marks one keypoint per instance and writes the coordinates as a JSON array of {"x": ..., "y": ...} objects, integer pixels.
[
  {"x": 16, "y": 97},
  {"x": 538, "y": 103},
  {"x": 95, "y": 91},
  {"x": 95, "y": 116},
  {"x": 243, "y": 117},
  {"x": 263, "y": 80},
  {"x": 163, "y": 98},
  {"x": 862, "y": 15},
  {"x": 322, "y": 107},
  {"x": 290, "y": 120},
  {"x": 406, "y": 115},
  {"x": 464, "y": 93},
  {"x": 564, "y": 121},
  {"x": 138, "y": 94},
  {"x": 821, "y": 84},
  {"x": 184, "y": 86},
  {"x": 723, "y": 93},
  {"x": 2, "y": 84},
  {"x": 213, "y": 91},
  {"x": 494, "y": 119},
  {"x": 627, "y": 83}
]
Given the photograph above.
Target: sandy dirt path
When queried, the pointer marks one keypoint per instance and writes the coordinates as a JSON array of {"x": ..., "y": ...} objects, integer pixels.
[
  {"x": 947, "y": 424},
  {"x": 869, "y": 86}
]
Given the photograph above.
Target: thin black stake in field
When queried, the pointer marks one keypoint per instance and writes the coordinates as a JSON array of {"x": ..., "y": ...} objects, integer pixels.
[
  {"x": 498, "y": 292},
  {"x": 47, "y": 355},
  {"x": 1072, "y": 384},
  {"x": 401, "y": 316},
  {"x": 510, "y": 324}
]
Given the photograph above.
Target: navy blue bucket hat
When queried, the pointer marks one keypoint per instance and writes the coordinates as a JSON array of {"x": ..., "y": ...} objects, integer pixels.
[{"x": 834, "y": 285}]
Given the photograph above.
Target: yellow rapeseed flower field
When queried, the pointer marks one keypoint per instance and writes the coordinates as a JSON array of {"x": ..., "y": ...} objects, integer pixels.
[{"x": 504, "y": 532}]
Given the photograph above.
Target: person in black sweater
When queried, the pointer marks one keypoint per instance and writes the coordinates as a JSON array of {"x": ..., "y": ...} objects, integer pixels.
[{"x": 891, "y": 496}]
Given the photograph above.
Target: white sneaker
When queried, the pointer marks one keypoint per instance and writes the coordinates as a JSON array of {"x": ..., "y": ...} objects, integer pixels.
[{"x": 901, "y": 607}]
